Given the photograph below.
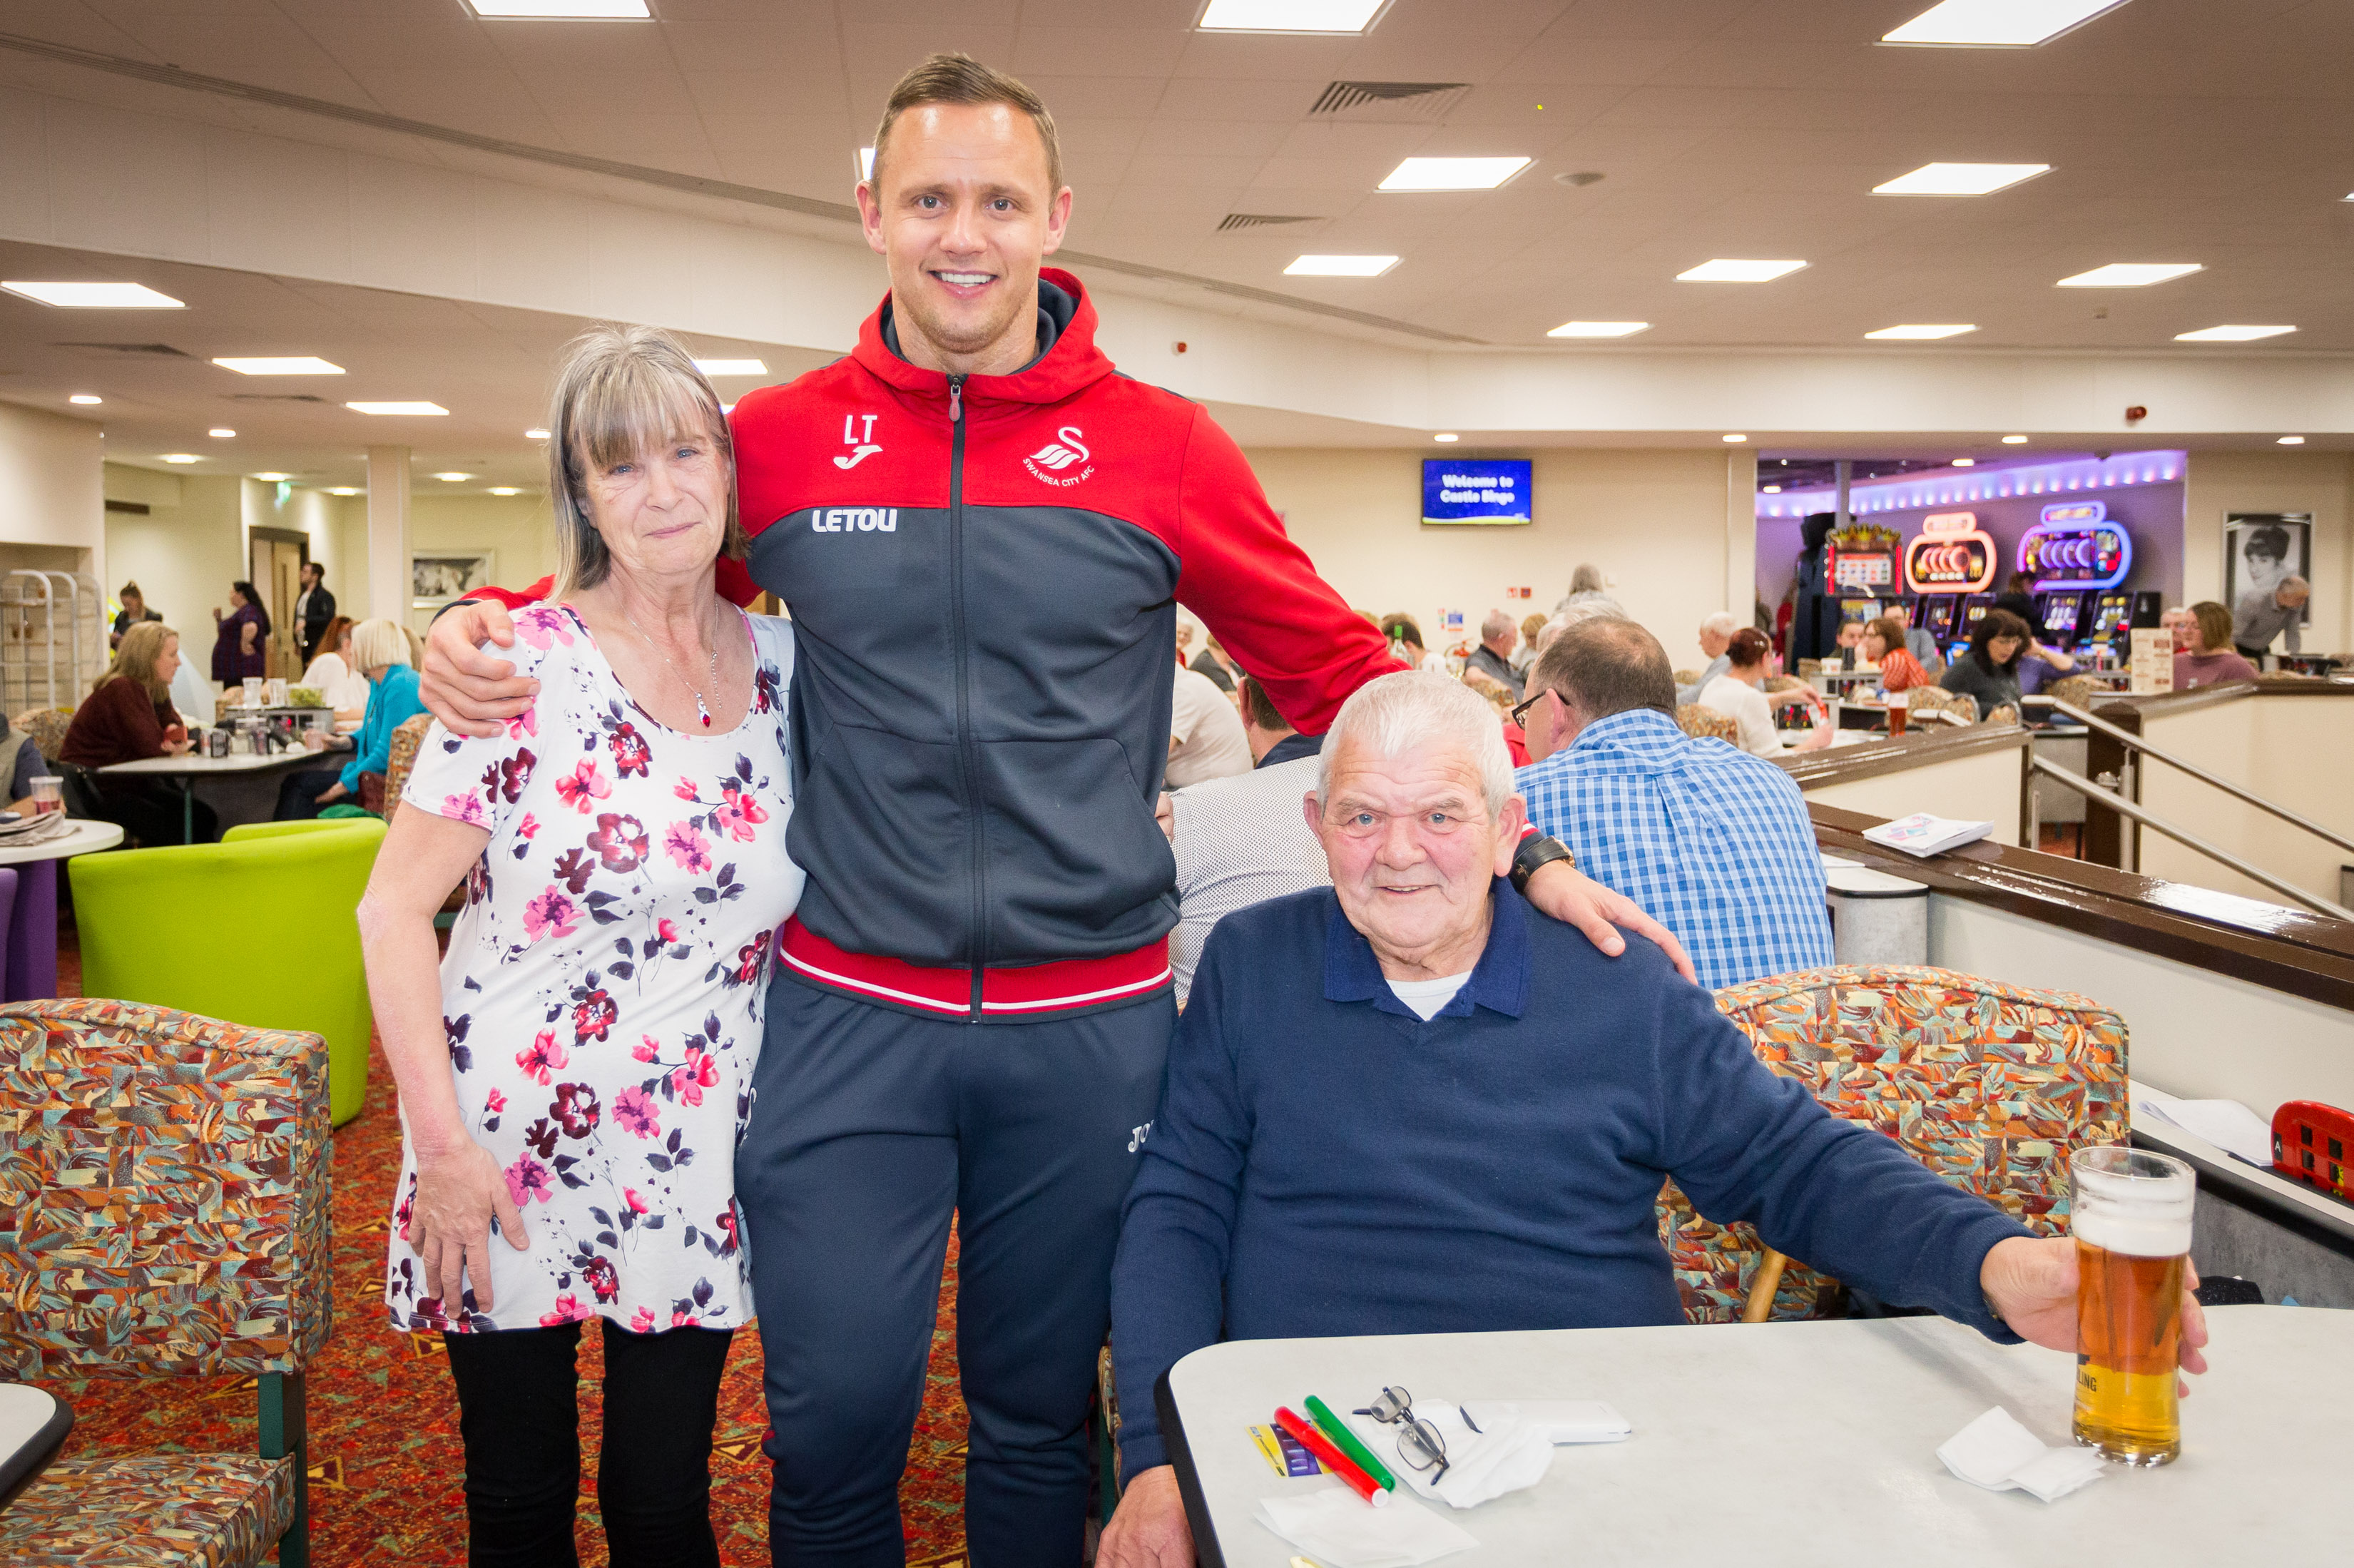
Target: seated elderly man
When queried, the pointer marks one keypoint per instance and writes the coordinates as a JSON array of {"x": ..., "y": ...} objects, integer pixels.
[{"x": 1402, "y": 1106}]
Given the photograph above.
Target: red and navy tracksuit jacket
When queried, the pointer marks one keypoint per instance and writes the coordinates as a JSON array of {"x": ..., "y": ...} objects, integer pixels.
[{"x": 983, "y": 573}]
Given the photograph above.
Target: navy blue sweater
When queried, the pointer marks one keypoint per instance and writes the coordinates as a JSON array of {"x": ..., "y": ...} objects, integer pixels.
[{"x": 1325, "y": 1162}]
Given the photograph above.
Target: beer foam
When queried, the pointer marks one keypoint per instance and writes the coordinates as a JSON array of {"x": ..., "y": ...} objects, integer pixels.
[
  {"x": 2132, "y": 1202},
  {"x": 2153, "y": 1230}
]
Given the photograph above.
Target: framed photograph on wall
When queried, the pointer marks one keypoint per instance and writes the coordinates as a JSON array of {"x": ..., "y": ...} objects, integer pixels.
[
  {"x": 2260, "y": 548},
  {"x": 435, "y": 580}
]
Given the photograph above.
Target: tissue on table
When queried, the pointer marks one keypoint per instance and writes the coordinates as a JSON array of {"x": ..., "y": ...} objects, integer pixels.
[
  {"x": 1335, "y": 1526},
  {"x": 1507, "y": 1453},
  {"x": 1997, "y": 1453},
  {"x": 1560, "y": 1420}
]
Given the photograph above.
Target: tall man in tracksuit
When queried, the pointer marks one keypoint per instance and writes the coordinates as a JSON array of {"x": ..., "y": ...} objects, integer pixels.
[{"x": 983, "y": 531}]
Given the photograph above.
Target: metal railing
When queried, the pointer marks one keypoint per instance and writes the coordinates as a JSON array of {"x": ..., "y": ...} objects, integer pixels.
[{"x": 2216, "y": 852}]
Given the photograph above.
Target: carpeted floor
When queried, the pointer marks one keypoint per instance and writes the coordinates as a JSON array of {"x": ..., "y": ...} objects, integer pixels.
[{"x": 386, "y": 1465}]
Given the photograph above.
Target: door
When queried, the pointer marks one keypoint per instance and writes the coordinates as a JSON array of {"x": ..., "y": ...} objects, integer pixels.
[{"x": 278, "y": 577}]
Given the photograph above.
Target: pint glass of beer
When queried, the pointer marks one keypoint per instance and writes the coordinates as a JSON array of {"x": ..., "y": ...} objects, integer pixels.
[{"x": 2131, "y": 1218}]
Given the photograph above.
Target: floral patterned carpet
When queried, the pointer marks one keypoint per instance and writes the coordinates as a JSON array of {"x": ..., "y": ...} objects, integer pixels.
[{"x": 386, "y": 1465}]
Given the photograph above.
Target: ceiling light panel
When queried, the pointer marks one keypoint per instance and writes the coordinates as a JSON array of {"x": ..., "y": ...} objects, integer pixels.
[
  {"x": 2230, "y": 334},
  {"x": 454, "y": 477},
  {"x": 1997, "y": 24},
  {"x": 182, "y": 457},
  {"x": 1340, "y": 266},
  {"x": 96, "y": 296},
  {"x": 1725, "y": 270},
  {"x": 221, "y": 433},
  {"x": 1452, "y": 173},
  {"x": 731, "y": 366},
  {"x": 287, "y": 365},
  {"x": 1924, "y": 330},
  {"x": 2130, "y": 274},
  {"x": 1960, "y": 179},
  {"x": 1599, "y": 329},
  {"x": 1289, "y": 16},
  {"x": 560, "y": 10},
  {"x": 504, "y": 490},
  {"x": 271, "y": 478},
  {"x": 87, "y": 399},
  {"x": 865, "y": 162},
  {"x": 400, "y": 409}
]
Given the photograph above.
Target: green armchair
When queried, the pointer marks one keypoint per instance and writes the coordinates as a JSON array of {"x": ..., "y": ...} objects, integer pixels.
[
  {"x": 259, "y": 929},
  {"x": 163, "y": 1188}
]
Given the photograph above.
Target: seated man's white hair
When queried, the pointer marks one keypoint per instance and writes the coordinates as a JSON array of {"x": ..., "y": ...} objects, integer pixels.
[
  {"x": 1590, "y": 610},
  {"x": 1723, "y": 623},
  {"x": 1414, "y": 707}
]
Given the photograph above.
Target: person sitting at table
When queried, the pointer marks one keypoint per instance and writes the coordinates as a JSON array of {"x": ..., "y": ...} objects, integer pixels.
[
  {"x": 1988, "y": 669},
  {"x": 1737, "y": 694},
  {"x": 2210, "y": 660},
  {"x": 241, "y": 642},
  {"x": 1850, "y": 641},
  {"x": 1400, "y": 1105},
  {"x": 339, "y": 685},
  {"x": 2041, "y": 664},
  {"x": 128, "y": 718},
  {"x": 382, "y": 654},
  {"x": 1885, "y": 645}
]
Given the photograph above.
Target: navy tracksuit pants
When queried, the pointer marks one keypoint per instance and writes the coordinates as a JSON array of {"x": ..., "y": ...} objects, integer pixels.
[{"x": 870, "y": 1131}]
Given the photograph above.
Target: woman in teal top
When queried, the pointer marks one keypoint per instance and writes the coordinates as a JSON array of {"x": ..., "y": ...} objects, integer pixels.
[{"x": 381, "y": 653}]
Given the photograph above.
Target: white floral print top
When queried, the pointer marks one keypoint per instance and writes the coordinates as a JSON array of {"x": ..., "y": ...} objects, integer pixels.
[{"x": 603, "y": 988}]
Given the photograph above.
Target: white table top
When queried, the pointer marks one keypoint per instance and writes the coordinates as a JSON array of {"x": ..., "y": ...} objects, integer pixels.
[
  {"x": 32, "y": 1422},
  {"x": 1811, "y": 1443},
  {"x": 82, "y": 839},
  {"x": 200, "y": 767}
]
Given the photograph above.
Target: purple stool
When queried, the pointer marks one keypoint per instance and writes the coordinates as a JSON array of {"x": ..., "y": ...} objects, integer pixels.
[{"x": 28, "y": 930}]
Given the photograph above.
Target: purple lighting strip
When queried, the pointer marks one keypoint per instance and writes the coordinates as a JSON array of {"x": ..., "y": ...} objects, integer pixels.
[{"x": 1960, "y": 487}]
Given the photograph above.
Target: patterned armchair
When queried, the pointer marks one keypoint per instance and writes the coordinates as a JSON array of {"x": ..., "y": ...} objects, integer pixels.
[
  {"x": 47, "y": 727},
  {"x": 1702, "y": 724},
  {"x": 1988, "y": 1086},
  {"x": 164, "y": 1182},
  {"x": 399, "y": 758},
  {"x": 1919, "y": 701},
  {"x": 2076, "y": 690}
]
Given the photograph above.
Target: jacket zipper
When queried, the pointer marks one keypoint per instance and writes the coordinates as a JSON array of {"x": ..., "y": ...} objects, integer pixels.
[{"x": 967, "y": 762}]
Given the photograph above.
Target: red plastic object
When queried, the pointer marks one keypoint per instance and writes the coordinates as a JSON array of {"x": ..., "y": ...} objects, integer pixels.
[
  {"x": 2311, "y": 1142},
  {"x": 1329, "y": 1456}
]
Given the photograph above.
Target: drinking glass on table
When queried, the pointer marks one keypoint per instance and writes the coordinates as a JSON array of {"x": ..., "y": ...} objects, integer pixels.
[{"x": 2131, "y": 1218}]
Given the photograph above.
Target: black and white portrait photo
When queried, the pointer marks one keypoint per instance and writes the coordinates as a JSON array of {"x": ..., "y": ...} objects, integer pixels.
[{"x": 2268, "y": 562}]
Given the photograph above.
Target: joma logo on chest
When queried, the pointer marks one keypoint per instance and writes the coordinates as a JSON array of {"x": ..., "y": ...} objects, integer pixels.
[{"x": 855, "y": 520}]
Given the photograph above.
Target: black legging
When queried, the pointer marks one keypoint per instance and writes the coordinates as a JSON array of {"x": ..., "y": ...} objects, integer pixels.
[
  {"x": 157, "y": 815},
  {"x": 298, "y": 796},
  {"x": 520, "y": 1420}
]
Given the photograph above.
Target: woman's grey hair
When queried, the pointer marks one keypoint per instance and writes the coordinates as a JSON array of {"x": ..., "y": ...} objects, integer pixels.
[
  {"x": 1724, "y": 622},
  {"x": 1587, "y": 578},
  {"x": 1412, "y": 707},
  {"x": 621, "y": 392}
]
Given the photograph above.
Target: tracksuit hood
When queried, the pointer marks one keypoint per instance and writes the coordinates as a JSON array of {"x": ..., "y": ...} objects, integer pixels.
[{"x": 1067, "y": 362}]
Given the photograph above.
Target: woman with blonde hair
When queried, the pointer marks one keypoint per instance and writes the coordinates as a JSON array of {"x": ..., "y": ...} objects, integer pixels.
[
  {"x": 574, "y": 1075},
  {"x": 380, "y": 651},
  {"x": 127, "y": 717}
]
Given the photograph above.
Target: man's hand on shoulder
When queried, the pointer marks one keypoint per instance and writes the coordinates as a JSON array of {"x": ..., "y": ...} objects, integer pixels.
[
  {"x": 1575, "y": 899},
  {"x": 2030, "y": 1283},
  {"x": 1150, "y": 1530},
  {"x": 469, "y": 690}
]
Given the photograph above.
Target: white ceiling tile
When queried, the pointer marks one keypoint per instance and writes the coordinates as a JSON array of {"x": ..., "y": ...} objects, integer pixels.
[{"x": 1083, "y": 52}]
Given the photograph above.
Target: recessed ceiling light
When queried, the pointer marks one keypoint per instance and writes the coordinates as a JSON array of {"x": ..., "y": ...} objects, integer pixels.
[
  {"x": 1341, "y": 266},
  {"x": 563, "y": 10},
  {"x": 221, "y": 433},
  {"x": 504, "y": 490},
  {"x": 1452, "y": 173},
  {"x": 2292, "y": 441},
  {"x": 1965, "y": 463},
  {"x": 2230, "y": 334},
  {"x": 96, "y": 296},
  {"x": 1289, "y": 16},
  {"x": 1447, "y": 436},
  {"x": 865, "y": 162},
  {"x": 1997, "y": 24},
  {"x": 1736, "y": 441},
  {"x": 2014, "y": 441},
  {"x": 1598, "y": 329},
  {"x": 395, "y": 407},
  {"x": 1960, "y": 179},
  {"x": 454, "y": 477},
  {"x": 345, "y": 490},
  {"x": 87, "y": 399},
  {"x": 1770, "y": 490},
  {"x": 271, "y": 478},
  {"x": 182, "y": 457},
  {"x": 535, "y": 435},
  {"x": 1724, "y": 270},
  {"x": 731, "y": 368},
  {"x": 286, "y": 364},
  {"x": 2130, "y": 274},
  {"x": 1924, "y": 330}
]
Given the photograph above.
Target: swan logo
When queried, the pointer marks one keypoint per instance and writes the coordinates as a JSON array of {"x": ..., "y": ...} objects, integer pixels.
[{"x": 1047, "y": 463}]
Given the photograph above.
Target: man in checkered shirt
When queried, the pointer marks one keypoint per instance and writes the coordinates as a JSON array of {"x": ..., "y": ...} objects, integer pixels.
[{"x": 1716, "y": 843}]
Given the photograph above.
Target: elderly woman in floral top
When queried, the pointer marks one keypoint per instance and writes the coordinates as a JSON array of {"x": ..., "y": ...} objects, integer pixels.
[{"x": 575, "y": 1074}]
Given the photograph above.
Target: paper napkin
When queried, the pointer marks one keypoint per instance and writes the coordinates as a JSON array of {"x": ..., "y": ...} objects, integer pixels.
[
  {"x": 1997, "y": 1453},
  {"x": 1337, "y": 1526}
]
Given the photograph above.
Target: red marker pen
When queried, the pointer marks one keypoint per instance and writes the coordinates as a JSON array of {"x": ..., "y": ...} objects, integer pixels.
[{"x": 1330, "y": 1457}]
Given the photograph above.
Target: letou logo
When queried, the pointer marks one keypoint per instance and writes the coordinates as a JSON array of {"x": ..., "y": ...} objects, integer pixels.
[
  {"x": 861, "y": 440},
  {"x": 1059, "y": 454}
]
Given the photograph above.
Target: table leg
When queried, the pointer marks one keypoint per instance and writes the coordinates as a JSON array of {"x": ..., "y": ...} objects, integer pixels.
[{"x": 32, "y": 938}]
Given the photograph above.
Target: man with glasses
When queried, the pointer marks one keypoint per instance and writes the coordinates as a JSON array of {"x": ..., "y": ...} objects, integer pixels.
[
  {"x": 1403, "y": 1106},
  {"x": 1714, "y": 843}
]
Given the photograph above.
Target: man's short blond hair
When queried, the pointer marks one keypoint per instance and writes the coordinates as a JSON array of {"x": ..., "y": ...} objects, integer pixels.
[{"x": 960, "y": 79}]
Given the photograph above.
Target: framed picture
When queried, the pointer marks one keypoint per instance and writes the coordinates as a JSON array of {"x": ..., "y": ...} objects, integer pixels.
[
  {"x": 2260, "y": 548},
  {"x": 435, "y": 580}
]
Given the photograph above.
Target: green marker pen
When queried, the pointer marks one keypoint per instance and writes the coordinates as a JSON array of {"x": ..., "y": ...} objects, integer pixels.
[{"x": 1348, "y": 1442}]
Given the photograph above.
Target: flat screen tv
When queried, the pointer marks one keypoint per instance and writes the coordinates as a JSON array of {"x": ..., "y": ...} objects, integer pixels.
[{"x": 1456, "y": 490}]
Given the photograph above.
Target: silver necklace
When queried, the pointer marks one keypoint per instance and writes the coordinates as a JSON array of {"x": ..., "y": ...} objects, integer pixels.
[{"x": 702, "y": 710}]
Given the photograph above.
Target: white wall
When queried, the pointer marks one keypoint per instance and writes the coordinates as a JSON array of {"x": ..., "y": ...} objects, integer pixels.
[
  {"x": 2280, "y": 479},
  {"x": 516, "y": 528},
  {"x": 1655, "y": 521},
  {"x": 1981, "y": 788},
  {"x": 51, "y": 501}
]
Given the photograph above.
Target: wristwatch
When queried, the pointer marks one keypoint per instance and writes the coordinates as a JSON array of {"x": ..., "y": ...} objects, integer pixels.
[{"x": 1537, "y": 850}]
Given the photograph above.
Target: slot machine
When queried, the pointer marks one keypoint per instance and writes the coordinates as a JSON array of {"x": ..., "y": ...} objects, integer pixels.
[
  {"x": 2112, "y": 623},
  {"x": 1937, "y": 616},
  {"x": 2060, "y": 618},
  {"x": 1973, "y": 611},
  {"x": 2077, "y": 556},
  {"x": 1950, "y": 564}
]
